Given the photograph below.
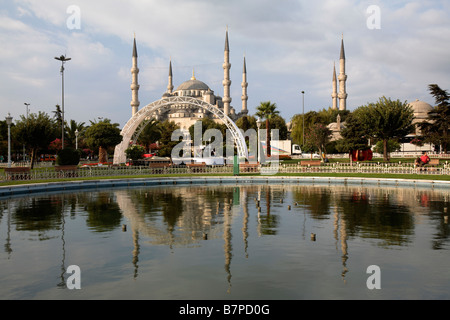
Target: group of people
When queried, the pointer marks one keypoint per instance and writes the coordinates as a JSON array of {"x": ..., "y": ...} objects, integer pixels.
[{"x": 422, "y": 160}]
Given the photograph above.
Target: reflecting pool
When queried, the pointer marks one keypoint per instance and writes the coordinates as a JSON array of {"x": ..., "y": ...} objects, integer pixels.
[{"x": 227, "y": 242}]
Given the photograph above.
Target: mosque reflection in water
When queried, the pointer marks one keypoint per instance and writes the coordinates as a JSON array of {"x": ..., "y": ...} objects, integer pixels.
[{"x": 234, "y": 216}]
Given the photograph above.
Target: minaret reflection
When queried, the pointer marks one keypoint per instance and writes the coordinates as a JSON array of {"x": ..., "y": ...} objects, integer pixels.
[
  {"x": 245, "y": 221},
  {"x": 8, "y": 248},
  {"x": 227, "y": 241},
  {"x": 340, "y": 227}
]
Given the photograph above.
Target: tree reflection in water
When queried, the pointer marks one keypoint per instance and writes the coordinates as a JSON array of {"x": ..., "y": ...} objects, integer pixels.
[{"x": 186, "y": 217}]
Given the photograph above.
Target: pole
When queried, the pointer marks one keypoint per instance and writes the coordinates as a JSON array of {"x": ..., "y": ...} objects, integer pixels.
[
  {"x": 63, "y": 59},
  {"x": 9, "y": 146},
  {"x": 62, "y": 106},
  {"x": 26, "y": 105},
  {"x": 8, "y": 122},
  {"x": 303, "y": 126}
]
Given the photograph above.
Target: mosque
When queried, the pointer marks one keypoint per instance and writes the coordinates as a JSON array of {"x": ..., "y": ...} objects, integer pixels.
[
  {"x": 185, "y": 115},
  {"x": 420, "y": 109}
]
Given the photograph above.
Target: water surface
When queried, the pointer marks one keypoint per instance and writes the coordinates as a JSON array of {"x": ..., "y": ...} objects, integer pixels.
[{"x": 227, "y": 242}]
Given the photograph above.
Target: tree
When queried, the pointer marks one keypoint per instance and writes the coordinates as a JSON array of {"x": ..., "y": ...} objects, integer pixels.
[
  {"x": 389, "y": 119},
  {"x": 135, "y": 152},
  {"x": 101, "y": 136},
  {"x": 310, "y": 118},
  {"x": 277, "y": 122},
  {"x": 71, "y": 128},
  {"x": 166, "y": 143},
  {"x": 436, "y": 129},
  {"x": 68, "y": 156},
  {"x": 317, "y": 137},
  {"x": 58, "y": 116},
  {"x": 246, "y": 122},
  {"x": 392, "y": 146},
  {"x": 380, "y": 121},
  {"x": 150, "y": 134},
  {"x": 355, "y": 134},
  {"x": 36, "y": 132},
  {"x": 267, "y": 110}
]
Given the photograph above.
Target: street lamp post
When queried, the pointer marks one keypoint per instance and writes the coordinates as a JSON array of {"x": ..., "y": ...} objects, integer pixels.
[
  {"x": 303, "y": 126},
  {"x": 76, "y": 139},
  {"x": 63, "y": 59},
  {"x": 27, "y": 105},
  {"x": 8, "y": 122},
  {"x": 258, "y": 123}
]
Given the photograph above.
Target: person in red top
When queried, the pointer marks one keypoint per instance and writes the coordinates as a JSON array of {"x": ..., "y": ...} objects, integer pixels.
[{"x": 423, "y": 160}]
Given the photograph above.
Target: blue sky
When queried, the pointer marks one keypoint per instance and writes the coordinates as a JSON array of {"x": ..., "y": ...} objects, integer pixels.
[{"x": 290, "y": 46}]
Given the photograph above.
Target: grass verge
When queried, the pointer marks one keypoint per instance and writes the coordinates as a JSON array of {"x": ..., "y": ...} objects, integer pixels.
[{"x": 333, "y": 175}]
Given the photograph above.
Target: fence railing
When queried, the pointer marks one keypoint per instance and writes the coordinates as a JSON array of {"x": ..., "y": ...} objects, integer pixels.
[{"x": 117, "y": 171}]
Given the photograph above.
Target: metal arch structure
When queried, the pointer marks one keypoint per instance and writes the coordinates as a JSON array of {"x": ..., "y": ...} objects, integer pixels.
[{"x": 129, "y": 130}]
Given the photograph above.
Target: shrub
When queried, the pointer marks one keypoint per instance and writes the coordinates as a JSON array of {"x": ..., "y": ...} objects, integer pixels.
[
  {"x": 135, "y": 152},
  {"x": 68, "y": 156}
]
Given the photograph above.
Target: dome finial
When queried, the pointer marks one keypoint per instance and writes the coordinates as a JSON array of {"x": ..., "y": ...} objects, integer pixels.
[{"x": 193, "y": 74}]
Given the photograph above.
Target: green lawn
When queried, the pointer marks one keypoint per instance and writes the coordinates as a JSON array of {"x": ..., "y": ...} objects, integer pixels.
[{"x": 338, "y": 175}]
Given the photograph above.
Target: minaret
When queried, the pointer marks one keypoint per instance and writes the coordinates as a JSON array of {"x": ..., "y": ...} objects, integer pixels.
[
  {"x": 334, "y": 95},
  {"x": 170, "y": 85},
  {"x": 342, "y": 80},
  {"x": 226, "y": 78},
  {"x": 244, "y": 89},
  {"x": 134, "y": 82}
]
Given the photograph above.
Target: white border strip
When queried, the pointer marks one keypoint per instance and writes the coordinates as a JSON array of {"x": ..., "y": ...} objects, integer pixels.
[{"x": 26, "y": 189}]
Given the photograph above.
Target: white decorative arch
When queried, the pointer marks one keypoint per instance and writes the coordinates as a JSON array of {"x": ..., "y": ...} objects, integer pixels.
[{"x": 132, "y": 125}]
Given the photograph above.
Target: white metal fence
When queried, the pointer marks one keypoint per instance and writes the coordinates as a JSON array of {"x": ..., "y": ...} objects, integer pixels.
[{"x": 117, "y": 171}]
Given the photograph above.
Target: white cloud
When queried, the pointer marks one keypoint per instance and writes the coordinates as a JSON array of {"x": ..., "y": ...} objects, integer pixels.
[{"x": 290, "y": 46}]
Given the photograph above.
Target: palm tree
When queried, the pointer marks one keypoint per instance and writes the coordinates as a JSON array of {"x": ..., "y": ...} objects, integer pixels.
[
  {"x": 151, "y": 133},
  {"x": 267, "y": 110},
  {"x": 71, "y": 128}
]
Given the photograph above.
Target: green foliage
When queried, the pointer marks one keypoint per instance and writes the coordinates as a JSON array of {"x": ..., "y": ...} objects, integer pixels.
[
  {"x": 277, "y": 122},
  {"x": 135, "y": 152},
  {"x": 150, "y": 134},
  {"x": 267, "y": 110},
  {"x": 247, "y": 122},
  {"x": 103, "y": 134},
  {"x": 392, "y": 146},
  {"x": 71, "y": 137},
  {"x": 355, "y": 134},
  {"x": 436, "y": 129},
  {"x": 35, "y": 132},
  {"x": 206, "y": 125},
  {"x": 325, "y": 116},
  {"x": 316, "y": 137},
  {"x": 68, "y": 156},
  {"x": 381, "y": 121},
  {"x": 166, "y": 143}
]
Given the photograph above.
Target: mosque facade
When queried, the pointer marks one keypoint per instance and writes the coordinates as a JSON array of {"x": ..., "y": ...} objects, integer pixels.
[{"x": 186, "y": 115}]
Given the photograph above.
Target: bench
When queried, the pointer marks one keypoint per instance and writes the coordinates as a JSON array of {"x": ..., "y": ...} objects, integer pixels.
[
  {"x": 159, "y": 165},
  {"x": 248, "y": 167},
  {"x": 196, "y": 167},
  {"x": 18, "y": 173},
  {"x": 310, "y": 162},
  {"x": 67, "y": 171},
  {"x": 433, "y": 162}
]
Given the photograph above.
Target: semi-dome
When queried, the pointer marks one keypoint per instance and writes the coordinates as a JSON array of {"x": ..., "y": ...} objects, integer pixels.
[{"x": 421, "y": 108}]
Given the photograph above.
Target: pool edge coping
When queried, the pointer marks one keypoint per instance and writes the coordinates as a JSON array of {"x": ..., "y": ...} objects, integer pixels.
[{"x": 24, "y": 189}]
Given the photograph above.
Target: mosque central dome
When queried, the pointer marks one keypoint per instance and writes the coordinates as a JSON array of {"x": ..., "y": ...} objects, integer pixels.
[{"x": 193, "y": 84}]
